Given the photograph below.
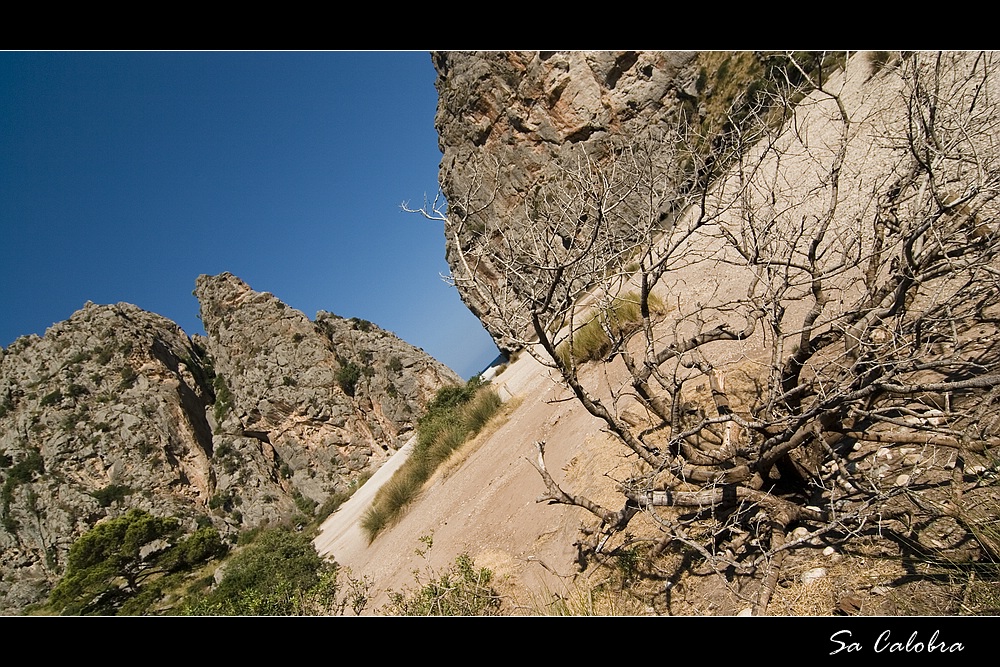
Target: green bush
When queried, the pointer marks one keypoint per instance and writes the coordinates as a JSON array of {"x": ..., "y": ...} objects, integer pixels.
[
  {"x": 51, "y": 398},
  {"x": 223, "y": 399},
  {"x": 76, "y": 390},
  {"x": 203, "y": 545},
  {"x": 104, "y": 355},
  {"x": 22, "y": 472},
  {"x": 304, "y": 504},
  {"x": 347, "y": 377},
  {"x": 376, "y": 518},
  {"x": 110, "y": 494},
  {"x": 361, "y": 325},
  {"x": 268, "y": 577},
  {"x": 128, "y": 376},
  {"x": 481, "y": 410},
  {"x": 462, "y": 590}
]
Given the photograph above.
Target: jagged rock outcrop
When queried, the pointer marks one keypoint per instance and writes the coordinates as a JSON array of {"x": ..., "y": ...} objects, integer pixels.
[
  {"x": 507, "y": 120},
  {"x": 260, "y": 421},
  {"x": 107, "y": 410},
  {"x": 329, "y": 399}
]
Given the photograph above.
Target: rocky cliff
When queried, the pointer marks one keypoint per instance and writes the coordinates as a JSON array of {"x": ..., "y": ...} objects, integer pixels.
[
  {"x": 509, "y": 120},
  {"x": 261, "y": 420},
  {"x": 512, "y": 124}
]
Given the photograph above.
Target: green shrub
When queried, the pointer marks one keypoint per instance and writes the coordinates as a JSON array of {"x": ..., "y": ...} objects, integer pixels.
[
  {"x": 462, "y": 590},
  {"x": 361, "y": 325},
  {"x": 79, "y": 357},
  {"x": 223, "y": 399},
  {"x": 481, "y": 409},
  {"x": 203, "y": 545},
  {"x": 51, "y": 398},
  {"x": 104, "y": 355},
  {"x": 330, "y": 505},
  {"x": 305, "y": 504},
  {"x": 110, "y": 494},
  {"x": 22, "y": 472},
  {"x": 224, "y": 500},
  {"x": 128, "y": 376},
  {"x": 227, "y": 457},
  {"x": 375, "y": 520},
  {"x": 267, "y": 577},
  {"x": 347, "y": 377}
]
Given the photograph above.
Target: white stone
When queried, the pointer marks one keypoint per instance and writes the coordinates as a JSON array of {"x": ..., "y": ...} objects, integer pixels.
[{"x": 813, "y": 575}]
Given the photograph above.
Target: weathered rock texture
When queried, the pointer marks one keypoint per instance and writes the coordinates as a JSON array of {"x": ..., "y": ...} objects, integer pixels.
[
  {"x": 117, "y": 408},
  {"x": 330, "y": 399},
  {"x": 531, "y": 114}
]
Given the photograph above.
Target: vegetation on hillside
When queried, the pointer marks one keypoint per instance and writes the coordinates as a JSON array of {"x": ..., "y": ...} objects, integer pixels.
[
  {"x": 462, "y": 590},
  {"x": 596, "y": 339},
  {"x": 277, "y": 572},
  {"x": 126, "y": 564},
  {"x": 456, "y": 414},
  {"x": 138, "y": 565}
]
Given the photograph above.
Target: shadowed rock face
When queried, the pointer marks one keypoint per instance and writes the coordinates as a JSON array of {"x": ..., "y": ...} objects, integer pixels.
[
  {"x": 533, "y": 114},
  {"x": 263, "y": 418}
]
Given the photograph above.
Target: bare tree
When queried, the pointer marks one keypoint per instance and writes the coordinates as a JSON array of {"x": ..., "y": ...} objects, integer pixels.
[{"x": 797, "y": 330}]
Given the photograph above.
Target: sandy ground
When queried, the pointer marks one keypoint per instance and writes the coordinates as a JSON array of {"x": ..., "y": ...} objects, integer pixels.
[{"x": 483, "y": 502}]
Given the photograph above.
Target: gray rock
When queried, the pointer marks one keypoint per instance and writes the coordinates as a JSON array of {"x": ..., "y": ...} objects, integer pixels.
[
  {"x": 117, "y": 408},
  {"x": 533, "y": 113}
]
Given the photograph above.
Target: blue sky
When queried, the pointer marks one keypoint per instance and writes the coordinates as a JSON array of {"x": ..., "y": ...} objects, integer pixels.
[{"x": 125, "y": 175}]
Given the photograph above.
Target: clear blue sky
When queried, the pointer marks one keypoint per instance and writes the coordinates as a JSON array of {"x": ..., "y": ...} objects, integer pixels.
[{"x": 125, "y": 175}]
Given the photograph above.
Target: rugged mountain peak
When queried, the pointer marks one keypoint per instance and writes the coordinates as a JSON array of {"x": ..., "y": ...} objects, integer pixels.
[
  {"x": 262, "y": 420},
  {"x": 345, "y": 382},
  {"x": 529, "y": 98},
  {"x": 106, "y": 410}
]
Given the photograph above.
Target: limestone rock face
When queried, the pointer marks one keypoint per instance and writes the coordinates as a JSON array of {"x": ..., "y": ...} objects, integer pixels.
[
  {"x": 330, "y": 398},
  {"x": 508, "y": 120},
  {"x": 259, "y": 421},
  {"x": 106, "y": 411}
]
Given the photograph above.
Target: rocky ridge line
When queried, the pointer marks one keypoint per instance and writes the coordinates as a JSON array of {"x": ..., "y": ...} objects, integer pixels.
[{"x": 262, "y": 420}]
